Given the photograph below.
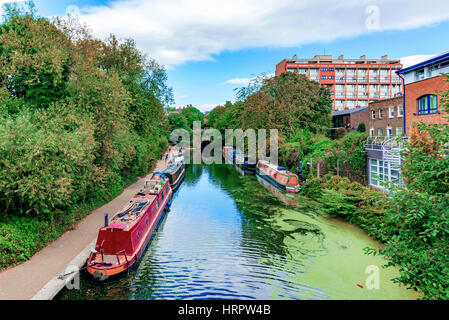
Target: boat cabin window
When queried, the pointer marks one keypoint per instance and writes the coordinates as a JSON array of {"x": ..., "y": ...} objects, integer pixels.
[{"x": 157, "y": 203}]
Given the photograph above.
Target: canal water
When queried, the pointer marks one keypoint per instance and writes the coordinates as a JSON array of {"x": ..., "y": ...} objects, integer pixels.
[{"x": 234, "y": 236}]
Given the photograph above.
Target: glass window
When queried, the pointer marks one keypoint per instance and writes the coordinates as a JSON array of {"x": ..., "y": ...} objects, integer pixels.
[
  {"x": 400, "y": 111},
  {"x": 428, "y": 104},
  {"x": 391, "y": 112},
  {"x": 419, "y": 75},
  {"x": 380, "y": 113},
  {"x": 373, "y": 114},
  {"x": 380, "y": 132}
]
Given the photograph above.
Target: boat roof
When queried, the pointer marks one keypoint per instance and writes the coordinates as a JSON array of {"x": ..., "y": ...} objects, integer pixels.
[
  {"x": 276, "y": 168},
  {"x": 128, "y": 216},
  {"x": 173, "y": 167}
]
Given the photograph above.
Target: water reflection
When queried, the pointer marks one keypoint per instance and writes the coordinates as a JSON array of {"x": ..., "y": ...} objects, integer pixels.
[{"x": 228, "y": 236}]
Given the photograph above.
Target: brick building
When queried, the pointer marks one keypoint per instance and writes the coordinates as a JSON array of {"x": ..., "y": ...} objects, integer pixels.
[
  {"x": 353, "y": 83},
  {"x": 422, "y": 84},
  {"x": 386, "y": 117},
  {"x": 350, "y": 118}
]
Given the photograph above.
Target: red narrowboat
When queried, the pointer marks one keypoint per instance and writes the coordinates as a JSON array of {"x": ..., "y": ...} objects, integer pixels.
[
  {"x": 122, "y": 241},
  {"x": 279, "y": 176}
]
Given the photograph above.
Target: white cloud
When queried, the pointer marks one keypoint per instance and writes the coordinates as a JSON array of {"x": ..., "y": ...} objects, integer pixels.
[
  {"x": 208, "y": 106},
  {"x": 176, "y": 31},
  {"x": 246, "y": 81},
  {"x": 239, "y": 81},
  {"x": 412, "y": 60}
]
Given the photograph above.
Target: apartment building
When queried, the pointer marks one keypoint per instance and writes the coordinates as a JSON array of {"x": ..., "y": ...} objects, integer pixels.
[
  {"x": 353, "y": 83},
  {"x": 386, "y": 117},
  {"x": 422, "y": 84}
]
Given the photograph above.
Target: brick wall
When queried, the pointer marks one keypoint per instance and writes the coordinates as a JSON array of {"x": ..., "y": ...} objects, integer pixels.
[
  {"x": 394, "y": 123},
  {"x": 415, "y": 90},
  {"x": 358, "y": 117}
]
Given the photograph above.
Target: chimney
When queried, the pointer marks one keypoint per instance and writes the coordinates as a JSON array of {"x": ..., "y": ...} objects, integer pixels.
[
  {"x": 341, "y": 57},
  {"x": 363, "y": 57},
  {"x": 385, "y": 57}
]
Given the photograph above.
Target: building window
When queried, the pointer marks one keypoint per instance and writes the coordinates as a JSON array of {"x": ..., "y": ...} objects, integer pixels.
[
  {"x": 324, "y": 77},
  {"x": 380, "y": 132},
  {"x": 381, "y": 172},
  {"x": 331, "y": 77},
  {"x": 371, "y": 132},
  {"x": 331, "y": 69},
  {"x": 373, "y": 115},
  {"x": 399, "y": 131},
  {"x": 380, "y": 113},
  {"x": 428, "y": 104},
  {"x": 419, "y": 75},
  {"x": 391, "y": 112},
  {"x": 323, "y": 69},
  {"x": 400, "y": 111}
]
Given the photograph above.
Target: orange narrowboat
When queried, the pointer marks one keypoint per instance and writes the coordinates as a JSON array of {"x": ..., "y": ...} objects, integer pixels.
[{"x": 279, "y": 176}]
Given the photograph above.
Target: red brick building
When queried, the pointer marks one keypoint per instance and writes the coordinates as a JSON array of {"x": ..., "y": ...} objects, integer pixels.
[
  {"x": 423, "y": 83},
  {"x": 386, "y": 117},
  {"x": 353, "y": 83}
]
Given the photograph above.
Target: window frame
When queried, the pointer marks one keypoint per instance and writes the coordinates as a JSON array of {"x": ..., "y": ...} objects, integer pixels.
[{"x": 427, "y": 109}]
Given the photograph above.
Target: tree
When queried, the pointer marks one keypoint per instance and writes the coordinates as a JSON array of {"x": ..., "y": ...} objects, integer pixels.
[
  {"x": 361, "y": 127},
  {"x": 192, "y": 114},
  {"x": 288, "y": 102}
]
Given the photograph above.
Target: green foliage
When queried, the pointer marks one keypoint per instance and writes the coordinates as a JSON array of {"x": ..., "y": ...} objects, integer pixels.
[
  {"x": 415, "y": 229},
  {"x": 192, "y": 114},
  {"x": 412, "y": 222},
  {"x": 80, "y": 118},
  {"x": 361, "y": 127}
]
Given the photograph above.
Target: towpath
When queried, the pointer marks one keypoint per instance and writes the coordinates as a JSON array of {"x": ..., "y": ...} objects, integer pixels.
[{"x": 25, "y": 280}]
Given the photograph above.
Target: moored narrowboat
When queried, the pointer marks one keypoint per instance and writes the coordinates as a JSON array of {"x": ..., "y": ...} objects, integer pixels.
[
  {"x": 175, "y": 172},
  {"x": 279, "y": 176},
  {"x": 123, "y": 240}
]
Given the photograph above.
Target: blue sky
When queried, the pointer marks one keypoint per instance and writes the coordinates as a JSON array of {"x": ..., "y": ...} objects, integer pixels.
[{"x": 210, "y": 47}]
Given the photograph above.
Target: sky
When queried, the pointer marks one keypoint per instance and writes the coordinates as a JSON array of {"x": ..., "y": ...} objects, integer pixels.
[{"x": 212, "y": 47}]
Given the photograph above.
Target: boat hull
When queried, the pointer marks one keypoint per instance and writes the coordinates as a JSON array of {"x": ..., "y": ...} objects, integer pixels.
[{"x": 273, "y": 181}]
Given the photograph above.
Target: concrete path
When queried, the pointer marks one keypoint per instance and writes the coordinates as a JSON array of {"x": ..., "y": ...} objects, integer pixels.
[{"x": 24, "y": 281}]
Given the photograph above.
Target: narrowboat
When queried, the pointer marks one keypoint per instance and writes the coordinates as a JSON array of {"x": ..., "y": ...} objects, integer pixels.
[
  {"x": 242, "y": 160},
  {"x": 229, "y": 154},
  {"x": 123, "y": 240},
  {"x": 279, "y": 176},
  {"x": 176, "y": 172}
]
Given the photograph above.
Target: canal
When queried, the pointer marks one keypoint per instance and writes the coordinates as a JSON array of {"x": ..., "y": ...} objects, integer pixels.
[{"x": 233, "y": 236}]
